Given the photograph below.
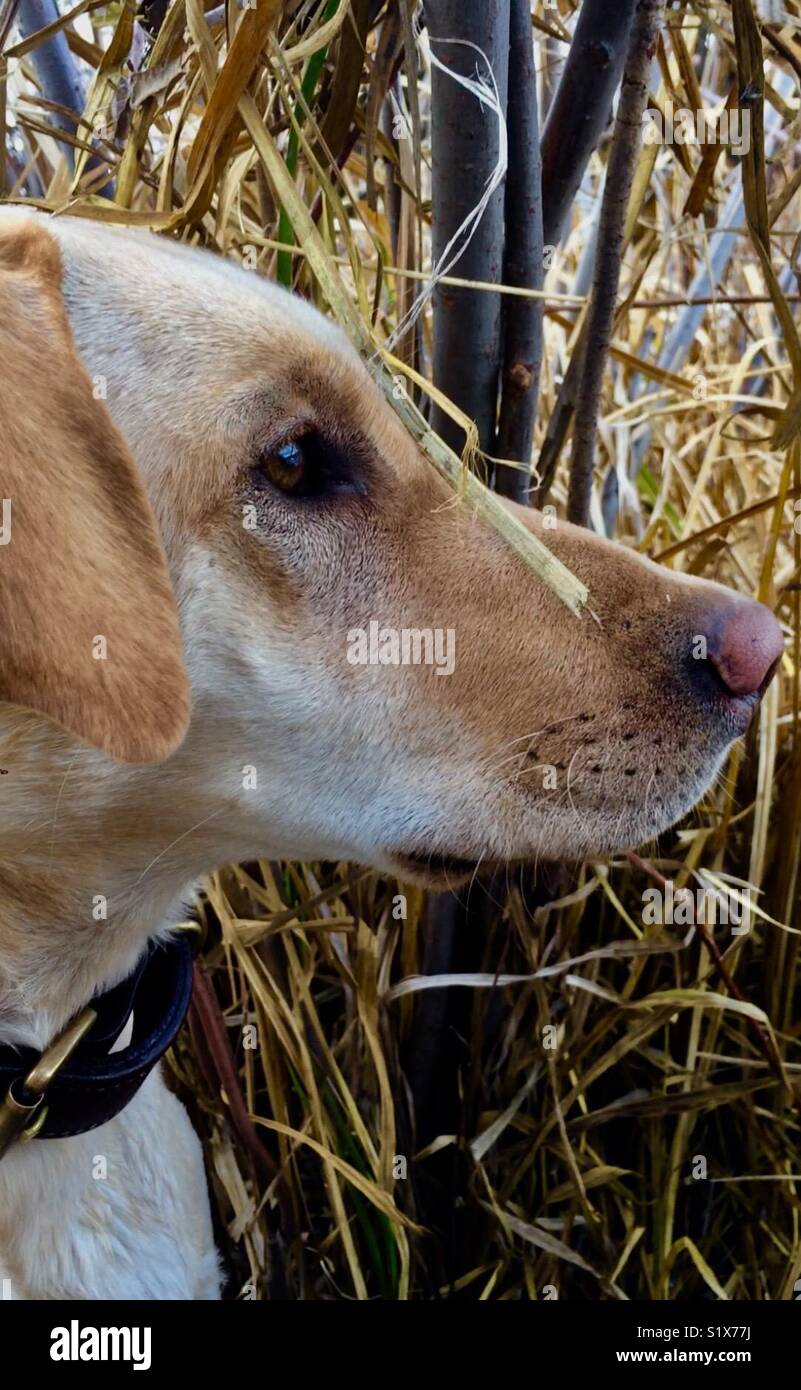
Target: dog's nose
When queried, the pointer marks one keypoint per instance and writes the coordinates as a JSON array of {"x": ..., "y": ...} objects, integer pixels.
[{"x": 743, "y": 644}]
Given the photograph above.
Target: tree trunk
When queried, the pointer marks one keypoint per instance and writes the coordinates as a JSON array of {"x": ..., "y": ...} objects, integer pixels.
[
  {"x": 523, "y": 264},
  {"x": 465, "y": 151}
]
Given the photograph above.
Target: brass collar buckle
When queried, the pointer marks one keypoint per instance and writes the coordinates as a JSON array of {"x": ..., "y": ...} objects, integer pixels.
[{"x": 23, "y": 1108}]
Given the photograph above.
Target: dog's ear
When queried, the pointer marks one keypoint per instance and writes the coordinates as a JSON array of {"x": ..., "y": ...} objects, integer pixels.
[{"x": 89, "y": 632}]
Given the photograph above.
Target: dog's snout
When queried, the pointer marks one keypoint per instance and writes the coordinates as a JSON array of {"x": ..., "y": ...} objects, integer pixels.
[{"x": 743, "y": 644}]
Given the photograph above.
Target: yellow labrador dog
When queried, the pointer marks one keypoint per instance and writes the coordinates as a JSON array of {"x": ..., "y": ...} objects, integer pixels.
[{"x": 241, "y": 616}]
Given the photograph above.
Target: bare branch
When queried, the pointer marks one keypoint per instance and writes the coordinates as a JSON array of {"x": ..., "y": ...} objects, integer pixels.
[
  {"x": 582, "y": 105},
  {"x": 611, "y": 238},
  {"x": 54, "y": 64}
]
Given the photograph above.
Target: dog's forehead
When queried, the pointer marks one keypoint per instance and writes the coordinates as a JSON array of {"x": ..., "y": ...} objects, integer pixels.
[
  {"x": 206, "y": 305},
  {"x": 192, "y": 341}
]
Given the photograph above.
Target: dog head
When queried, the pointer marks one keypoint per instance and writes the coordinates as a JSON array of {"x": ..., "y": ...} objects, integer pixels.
[{"x": 375, "y": 675}]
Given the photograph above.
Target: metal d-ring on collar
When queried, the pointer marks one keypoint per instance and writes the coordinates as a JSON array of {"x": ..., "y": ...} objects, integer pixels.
[
  {"x": 79, "y": 1082},
  {"x": 23, "y": 1109}
]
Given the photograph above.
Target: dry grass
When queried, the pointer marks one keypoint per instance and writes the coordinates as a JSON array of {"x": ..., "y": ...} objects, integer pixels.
[{"x": 626, "y": 1120}]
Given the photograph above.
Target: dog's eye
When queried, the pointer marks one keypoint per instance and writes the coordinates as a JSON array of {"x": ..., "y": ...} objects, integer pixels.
[
  {"x": 286, "y": 469},
  {"x": 305, "y": 467}
]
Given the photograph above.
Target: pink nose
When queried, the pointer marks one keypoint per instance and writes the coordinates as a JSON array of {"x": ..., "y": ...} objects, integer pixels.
[{"x": 744, "y": 643}]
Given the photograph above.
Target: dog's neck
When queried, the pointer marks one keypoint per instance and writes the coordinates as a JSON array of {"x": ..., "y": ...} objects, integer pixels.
[
  {"x": 87, "y": 874},
  {"x": 55, "y": 957}
]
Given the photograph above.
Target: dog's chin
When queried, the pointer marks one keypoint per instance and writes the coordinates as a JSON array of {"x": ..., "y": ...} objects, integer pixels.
[
  {"x": 589, "y": 833},
  {"x": 438, "y": 871},
  {"x": 443, "y": 871}
]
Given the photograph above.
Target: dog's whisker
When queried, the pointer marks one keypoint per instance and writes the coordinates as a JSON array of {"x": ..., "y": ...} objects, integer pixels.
[
  {"x": 183, "y": 836},
  {"x": 57, "y": 807}
]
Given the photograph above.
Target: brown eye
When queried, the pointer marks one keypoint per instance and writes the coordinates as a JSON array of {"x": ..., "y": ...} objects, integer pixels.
[
  {"x": 286, "y": 468},
  {"x": 308, "y": 467}
]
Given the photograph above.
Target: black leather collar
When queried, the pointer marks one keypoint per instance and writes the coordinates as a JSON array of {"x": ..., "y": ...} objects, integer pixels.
[{"x": 94, "y": 1086}]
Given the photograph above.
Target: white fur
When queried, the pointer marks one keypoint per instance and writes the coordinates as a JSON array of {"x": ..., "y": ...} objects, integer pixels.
[{"x": 117, "y": 1213}]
